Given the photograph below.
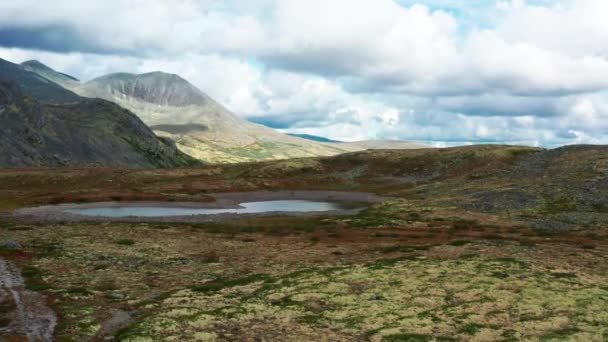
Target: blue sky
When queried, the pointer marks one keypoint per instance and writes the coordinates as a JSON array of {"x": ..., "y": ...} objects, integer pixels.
[{"x": 441, "y": 71}]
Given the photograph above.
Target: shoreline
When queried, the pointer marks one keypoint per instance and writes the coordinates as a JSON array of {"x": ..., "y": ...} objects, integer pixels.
[{"x": 224, "y": 200}]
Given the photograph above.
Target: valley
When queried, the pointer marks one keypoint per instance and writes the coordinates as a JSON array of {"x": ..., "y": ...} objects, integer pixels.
[{"x": 475, "y": 243}]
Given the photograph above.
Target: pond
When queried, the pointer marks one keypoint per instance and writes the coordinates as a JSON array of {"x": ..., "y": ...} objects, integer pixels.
[{"x": 288, "y": 206}]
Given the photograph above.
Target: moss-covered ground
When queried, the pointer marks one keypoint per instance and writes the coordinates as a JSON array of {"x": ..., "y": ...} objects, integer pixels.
[{"x": 477, "y": 244}]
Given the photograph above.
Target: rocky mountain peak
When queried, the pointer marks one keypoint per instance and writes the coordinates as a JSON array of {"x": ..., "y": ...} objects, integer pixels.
[{"x": 154, "y": 87}]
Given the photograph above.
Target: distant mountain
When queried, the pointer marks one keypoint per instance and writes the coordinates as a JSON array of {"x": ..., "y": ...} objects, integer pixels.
[
  {"x": 71, "y": 130},
  {"x": 155, "y": 87},
  {"x": 199, "y": 126},
  {"x": 313, "y": 138},
  {"x": 382, "y": 145}
]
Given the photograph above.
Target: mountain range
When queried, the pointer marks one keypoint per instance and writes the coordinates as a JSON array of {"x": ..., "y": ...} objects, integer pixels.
[{"x": 179, "y": 114}]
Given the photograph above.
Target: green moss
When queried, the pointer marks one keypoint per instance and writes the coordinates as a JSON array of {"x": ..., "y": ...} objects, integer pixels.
[
  {"x": 310, "y": 319},
  {"x": 509, "y": 336},
  {"x": 470, "y": 329},
  {"x": 407, "y": 338},
  {"x": 559, "y": 205},
  {"x": 385, "y": 263},
  {"x": 6, "y": 205},
  {"x": 79, "y": 291},
  {"x": 47, "y": 249},
  {"x": 33, "y": 278},
  {"x": 404, "y": 249},
  {"x": 565, "y": 275},
  {"x": 560, "y": 335},
  {"x": 125, "y": 242},
  {"x": 600, "y": 207},
  {"x": 391, "y": 296},
  {"x": 460, "y": 243},
  {"x": 508, "y": 260}
]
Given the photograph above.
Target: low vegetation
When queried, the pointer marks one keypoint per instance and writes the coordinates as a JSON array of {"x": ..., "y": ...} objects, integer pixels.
[{"x": 475, "y": 244}]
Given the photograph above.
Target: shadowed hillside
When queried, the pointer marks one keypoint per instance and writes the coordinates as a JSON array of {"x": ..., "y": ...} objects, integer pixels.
[
  {"x": 89, "y": 132},
  {"x": 35, "y": 85},
  {"x": 43, "y": 124}
]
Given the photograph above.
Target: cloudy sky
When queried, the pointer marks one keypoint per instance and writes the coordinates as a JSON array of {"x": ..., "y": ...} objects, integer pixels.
[{"x": 446, "y": 72}]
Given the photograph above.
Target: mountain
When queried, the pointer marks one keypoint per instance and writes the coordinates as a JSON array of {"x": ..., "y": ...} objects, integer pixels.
[
  {"x": 199, "y": 126},
  {"x": 64, "y": 80},
  {"x": 313, "y": 138},
  {"x": 155, "y": 87},
  {"x": 42, "y": 124}
]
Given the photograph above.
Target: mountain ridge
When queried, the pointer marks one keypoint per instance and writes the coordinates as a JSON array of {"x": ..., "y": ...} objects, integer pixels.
[
  {"x": 42, "y": 125},
  {"x": 36, "y": 85},
  {"x": 155, "y": 87}
]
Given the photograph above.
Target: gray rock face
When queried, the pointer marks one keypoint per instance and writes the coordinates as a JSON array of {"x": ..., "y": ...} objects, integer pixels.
[{"x": 154, "y": 87}]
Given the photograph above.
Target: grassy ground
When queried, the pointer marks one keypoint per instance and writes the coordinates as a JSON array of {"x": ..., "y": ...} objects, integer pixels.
[
  {"x": 468, "y": 249},
  {"x": 471, "y": 299}
]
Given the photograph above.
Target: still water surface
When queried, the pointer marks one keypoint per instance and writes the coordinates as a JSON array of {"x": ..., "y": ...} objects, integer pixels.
[{"x": 298, "y": 206}]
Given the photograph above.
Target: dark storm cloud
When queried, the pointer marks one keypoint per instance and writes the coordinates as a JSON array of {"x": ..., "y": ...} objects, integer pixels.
[{"x": 56, "y": 38}]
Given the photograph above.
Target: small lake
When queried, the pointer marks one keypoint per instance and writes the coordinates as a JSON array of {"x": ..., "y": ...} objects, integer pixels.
[{"x": 289, "y": 206}]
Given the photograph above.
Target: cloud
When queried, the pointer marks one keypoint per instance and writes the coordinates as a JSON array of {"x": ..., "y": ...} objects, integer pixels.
[{"x": 450, "y": 72}]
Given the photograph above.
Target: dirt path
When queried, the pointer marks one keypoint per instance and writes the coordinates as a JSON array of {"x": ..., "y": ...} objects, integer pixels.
[{"x": 25, "y": 312}]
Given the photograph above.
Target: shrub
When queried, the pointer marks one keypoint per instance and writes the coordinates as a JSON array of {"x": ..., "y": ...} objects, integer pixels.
[
  {"x": 125, "y": 242},
  {"x": 559, "y": 205}
]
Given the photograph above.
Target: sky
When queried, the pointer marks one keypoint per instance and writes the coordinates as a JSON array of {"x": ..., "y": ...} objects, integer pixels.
[{"x": 444, "y": 72}]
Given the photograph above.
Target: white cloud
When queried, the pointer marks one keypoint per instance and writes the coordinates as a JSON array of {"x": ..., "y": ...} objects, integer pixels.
[{"x": 518, "y": 71}]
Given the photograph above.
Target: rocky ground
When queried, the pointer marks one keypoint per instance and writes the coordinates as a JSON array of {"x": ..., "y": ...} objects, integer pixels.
[{"x": 24, "y": 312}]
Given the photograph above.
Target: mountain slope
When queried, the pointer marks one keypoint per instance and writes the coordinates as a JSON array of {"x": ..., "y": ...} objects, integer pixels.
[
  {"x": 79, "y": 132},
  {"x": 199, "y": 126},
  {"x": 154, "y": 87},
  {"x": 64, "y": 80}
]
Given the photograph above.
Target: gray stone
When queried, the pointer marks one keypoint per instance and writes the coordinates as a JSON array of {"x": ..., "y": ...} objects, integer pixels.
[
  {"x": 12, "y": 245},
  {"x": 120, "y": 319},
  {"x": 116, "y": 295},
  {"x": 376, "y": 297}
]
